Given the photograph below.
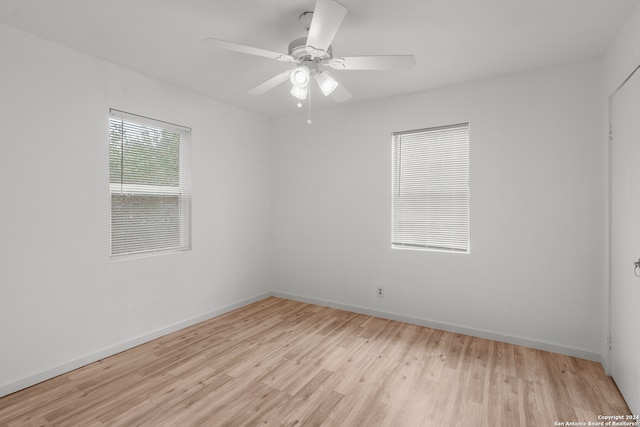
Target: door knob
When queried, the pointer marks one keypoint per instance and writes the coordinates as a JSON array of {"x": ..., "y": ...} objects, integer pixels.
[{"x": 637, "y": 267}]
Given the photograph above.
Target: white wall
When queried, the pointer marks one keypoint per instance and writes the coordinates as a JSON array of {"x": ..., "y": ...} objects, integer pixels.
[
  {"x": 623, "y": 56},
  {"x": 537, "y": 264},
  {"x": 62, "y": 302}
]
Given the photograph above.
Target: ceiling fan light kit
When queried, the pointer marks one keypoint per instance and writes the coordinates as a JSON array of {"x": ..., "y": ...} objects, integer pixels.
[
  {"x": 300, "y": 76},
  {"x": 300, "y": 92},
  {"x": 326, "y": 82},
  {"x": 313, "y": 53}
]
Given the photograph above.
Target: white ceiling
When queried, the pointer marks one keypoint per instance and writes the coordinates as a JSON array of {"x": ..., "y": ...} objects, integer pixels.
[{"x": 453, "y": 40}]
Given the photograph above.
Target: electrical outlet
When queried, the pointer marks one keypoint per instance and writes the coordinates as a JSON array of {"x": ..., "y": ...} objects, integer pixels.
[{"x": 380, "y": 292}]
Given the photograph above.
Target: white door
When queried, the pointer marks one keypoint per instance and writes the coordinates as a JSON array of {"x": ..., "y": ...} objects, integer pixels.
[{"x": 625, "y": 241}]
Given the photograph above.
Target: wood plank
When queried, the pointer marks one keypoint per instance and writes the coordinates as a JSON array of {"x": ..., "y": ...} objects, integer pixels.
[{"x": 280, "y": 362}]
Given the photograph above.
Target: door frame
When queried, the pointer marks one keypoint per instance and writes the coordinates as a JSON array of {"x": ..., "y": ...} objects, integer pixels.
[{"x": 608, "y": 349}]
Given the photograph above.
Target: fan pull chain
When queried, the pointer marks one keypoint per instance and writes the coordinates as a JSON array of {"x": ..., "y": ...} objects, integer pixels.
[{"x": 309, "y": 114}]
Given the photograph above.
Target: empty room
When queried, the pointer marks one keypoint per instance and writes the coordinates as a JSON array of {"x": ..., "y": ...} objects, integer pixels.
[{"x": 320, "y": 212}]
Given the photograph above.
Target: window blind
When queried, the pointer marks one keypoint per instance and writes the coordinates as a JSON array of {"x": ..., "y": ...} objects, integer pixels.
[
  {"x": 430, "y": 193},
  {"x": 149, "y": 186}
]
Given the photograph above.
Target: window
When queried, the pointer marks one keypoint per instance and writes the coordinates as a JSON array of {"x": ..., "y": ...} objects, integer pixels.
[
  {"x": 430, "y": 194},
  {"x": 149, "y": 186}
]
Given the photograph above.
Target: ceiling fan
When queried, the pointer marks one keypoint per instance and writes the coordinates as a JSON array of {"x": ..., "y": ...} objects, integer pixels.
[{"x": 313, "y": 54}]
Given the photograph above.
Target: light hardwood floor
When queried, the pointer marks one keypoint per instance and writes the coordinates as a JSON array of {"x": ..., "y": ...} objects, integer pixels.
[{"x": 279, "y": 362}]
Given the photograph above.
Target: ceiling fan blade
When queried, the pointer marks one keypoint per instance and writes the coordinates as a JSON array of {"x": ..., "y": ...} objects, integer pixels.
[
  {"x": 327, "y": 17},
  {"x": 235, "y": 47},
  {"x": 340, "y": 94},
  {"x": 271, "y": 83},
  {"x": 376, "y": 62}
]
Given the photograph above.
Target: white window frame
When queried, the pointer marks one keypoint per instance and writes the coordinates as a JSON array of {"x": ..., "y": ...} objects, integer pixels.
[
  {"x": 430, "y": 205},
  {"x": 126, "y": 236}
]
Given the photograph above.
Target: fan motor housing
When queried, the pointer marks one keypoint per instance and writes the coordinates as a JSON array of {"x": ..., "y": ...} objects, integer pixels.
[{"x": 298, "y": 49}]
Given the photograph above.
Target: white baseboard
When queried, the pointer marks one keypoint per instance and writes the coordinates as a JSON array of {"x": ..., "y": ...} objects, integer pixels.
[
  {"x": 46, "y": 374},
  {"x": 450, "y": 327}
]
